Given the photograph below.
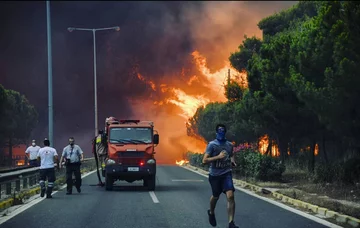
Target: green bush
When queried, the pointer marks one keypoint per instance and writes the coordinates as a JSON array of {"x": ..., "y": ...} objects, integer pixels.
[
  {"x": 250, "y": 164},
  {"x": 195, "y": 159},
  {"x": 270, "y": 168}
]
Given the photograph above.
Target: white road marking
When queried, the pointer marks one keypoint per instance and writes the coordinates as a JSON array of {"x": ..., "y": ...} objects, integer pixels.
[
  {"x": 301, "y": 213},
  {"x": 33, "y": 202},
  {"x": 153, "y": 197},
  {"x": 189, "y": 180}
]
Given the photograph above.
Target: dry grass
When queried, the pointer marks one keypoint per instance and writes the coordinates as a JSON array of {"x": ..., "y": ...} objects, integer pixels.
[
  {"x": 348, "y": 208},
  {"x": 298, "y": 184}
]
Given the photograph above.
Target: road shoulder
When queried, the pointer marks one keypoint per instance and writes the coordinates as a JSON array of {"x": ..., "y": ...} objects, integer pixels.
[
  {"x": 34, "y": 198},
  {"x": 318, "y": 214}
]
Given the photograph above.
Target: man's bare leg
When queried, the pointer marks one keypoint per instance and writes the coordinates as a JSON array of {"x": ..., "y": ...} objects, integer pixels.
[
  {"x": 230, "y": 205},
  {"x": 213, "y": 201},
  {"x": 211, "y": 211}
]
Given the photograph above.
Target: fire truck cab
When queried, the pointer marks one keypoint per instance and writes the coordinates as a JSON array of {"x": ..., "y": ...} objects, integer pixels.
[{"x": 130, "y": 153}]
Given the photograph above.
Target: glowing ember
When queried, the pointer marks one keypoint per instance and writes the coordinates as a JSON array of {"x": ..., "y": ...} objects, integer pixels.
[
  {"x": 181, "y": 162},
  {"x": 150, "y": 83},
  {"x": 20, "y": 163}
]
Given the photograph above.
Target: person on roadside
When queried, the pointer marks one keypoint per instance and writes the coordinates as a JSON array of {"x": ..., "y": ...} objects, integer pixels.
[
  {"x": 73, "y": 156},
  {"x": 47, "y": 156},
  {"x": 31, "y": 154},
  {"x": 219, "y": 153}
]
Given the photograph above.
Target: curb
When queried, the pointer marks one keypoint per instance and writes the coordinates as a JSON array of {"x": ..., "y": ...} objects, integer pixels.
[
  {"x": 10, "y": 202},
  {"x": 354, "y": 222},
  {"x": 6, "y": 204}
]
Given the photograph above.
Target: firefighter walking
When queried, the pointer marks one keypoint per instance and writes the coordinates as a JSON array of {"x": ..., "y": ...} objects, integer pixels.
[{"x": 73, "y": 155}]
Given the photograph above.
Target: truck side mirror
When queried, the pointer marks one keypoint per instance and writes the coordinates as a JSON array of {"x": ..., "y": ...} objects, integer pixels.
[{"x": 156, "y": 139}]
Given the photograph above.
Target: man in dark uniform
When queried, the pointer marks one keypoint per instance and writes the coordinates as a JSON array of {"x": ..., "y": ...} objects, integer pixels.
[
  {"x": 73, "y": 156},
  {"x": 219, "y": 153}
]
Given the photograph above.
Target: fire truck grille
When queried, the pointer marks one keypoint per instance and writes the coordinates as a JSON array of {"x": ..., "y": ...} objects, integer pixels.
[{"x": 131, "y": 157}]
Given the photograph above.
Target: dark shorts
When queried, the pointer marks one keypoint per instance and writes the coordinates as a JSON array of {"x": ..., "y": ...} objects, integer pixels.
[
  {"x": 47, "y": 173},
  {"x": 221, "y": 184},
  {"x": 33, "y": 163}
]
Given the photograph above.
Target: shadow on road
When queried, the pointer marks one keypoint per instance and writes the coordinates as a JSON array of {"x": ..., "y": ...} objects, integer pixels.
[{"x": 130, "y": 188}]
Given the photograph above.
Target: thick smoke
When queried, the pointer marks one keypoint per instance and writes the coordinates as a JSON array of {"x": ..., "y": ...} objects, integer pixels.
[
  {"x": 219, "y": 27},
  {"x": 215, "y": 29},
  {"x": 156, "y": 41}
]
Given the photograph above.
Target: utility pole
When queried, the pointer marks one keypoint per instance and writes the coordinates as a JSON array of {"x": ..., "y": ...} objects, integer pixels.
[
  {"x": 93, "y": 30},
  {"x": 95, "y": 85},
  {"x": 50, "y": 94},
  {"x": 228, "y": 79}
]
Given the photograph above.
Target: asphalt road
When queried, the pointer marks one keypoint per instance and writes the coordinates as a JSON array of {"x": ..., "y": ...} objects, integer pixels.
[{"x": 183, "y": 199}]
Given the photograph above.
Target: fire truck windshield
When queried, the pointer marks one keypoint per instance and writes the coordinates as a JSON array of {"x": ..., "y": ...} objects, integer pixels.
[{"x": 135, "y": 135}]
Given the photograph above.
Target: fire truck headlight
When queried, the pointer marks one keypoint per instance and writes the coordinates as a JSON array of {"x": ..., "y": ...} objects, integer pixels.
[
  {"x": 110, "y": 161},
  {"x": 151, "y": 161}
]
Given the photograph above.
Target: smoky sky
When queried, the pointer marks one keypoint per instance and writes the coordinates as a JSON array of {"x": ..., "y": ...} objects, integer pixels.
[{"x": 155, "y": 39}]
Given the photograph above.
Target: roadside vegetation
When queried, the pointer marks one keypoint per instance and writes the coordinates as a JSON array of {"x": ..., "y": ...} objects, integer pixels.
[{"x": 301, "y": 97}]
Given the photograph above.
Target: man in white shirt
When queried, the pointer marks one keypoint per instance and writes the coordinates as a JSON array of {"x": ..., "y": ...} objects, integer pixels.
[
  {"x": 47, "y": 156},
  {"x": 31, "y": 153}
]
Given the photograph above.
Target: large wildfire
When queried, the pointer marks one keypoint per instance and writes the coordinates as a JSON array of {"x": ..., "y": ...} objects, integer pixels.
[
  {"x": 175, "y": 143},
  {"x": 216, "y": 31},
  {"x": 180, "y": 55}
]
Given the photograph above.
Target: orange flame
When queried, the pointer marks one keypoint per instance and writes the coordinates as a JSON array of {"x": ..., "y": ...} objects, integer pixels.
[
  {"x": 215, "y": 81},
  {"x": 264, "y": 144},
  {"x": 212, "y": 84},
  {"x": 20, "y": 163},
  {"x": 188, "y": 103},
  {"x": 181, "y": 162},
  {"x": 308, "y": 148}
]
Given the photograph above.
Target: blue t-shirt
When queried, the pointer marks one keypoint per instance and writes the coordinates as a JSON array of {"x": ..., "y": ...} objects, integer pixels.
[{"x": 220, "y": 166}]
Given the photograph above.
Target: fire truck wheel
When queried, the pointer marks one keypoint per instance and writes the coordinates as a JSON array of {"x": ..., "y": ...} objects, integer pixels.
[
  {"x": 150, "y": 183},
  {"x": 108, "y": 183}
]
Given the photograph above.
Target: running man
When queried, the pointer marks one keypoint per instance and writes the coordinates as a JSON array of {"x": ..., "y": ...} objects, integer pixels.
[{"x": 219, "y": 153}]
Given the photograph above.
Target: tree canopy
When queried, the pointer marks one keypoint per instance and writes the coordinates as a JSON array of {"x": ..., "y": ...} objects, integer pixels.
[
  {"x": 302, "y": 83},
  {"x": 17, "y": 118}
]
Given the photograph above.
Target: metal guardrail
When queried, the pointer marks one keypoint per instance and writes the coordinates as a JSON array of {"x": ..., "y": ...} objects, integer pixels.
[
  {"x": 16, "y": 181},
  {"x": 15, "y": 169}
]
